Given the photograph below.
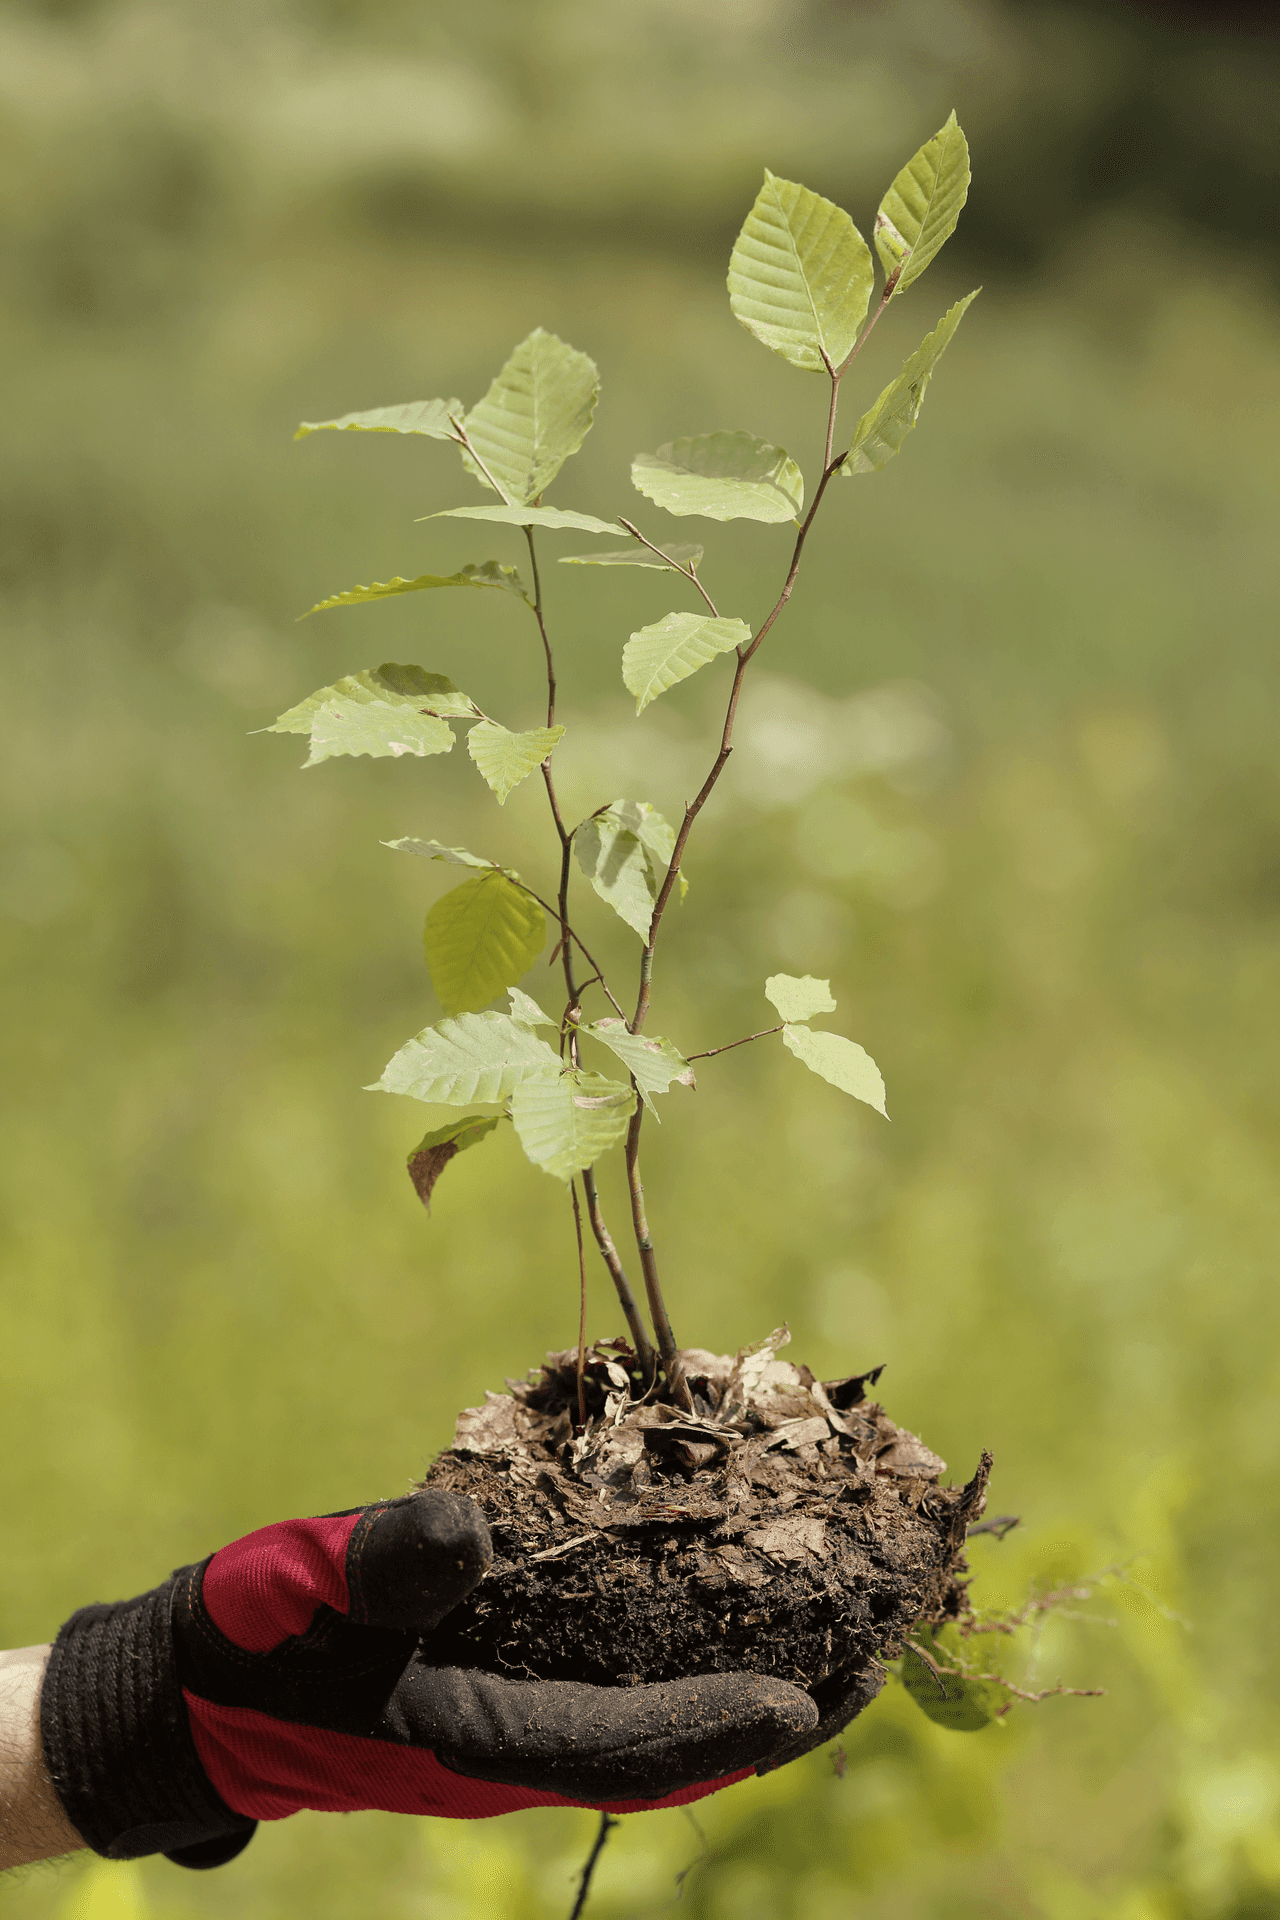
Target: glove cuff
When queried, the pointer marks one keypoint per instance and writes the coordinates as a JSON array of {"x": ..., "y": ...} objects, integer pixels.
[{"x": 118, "y": 1745}]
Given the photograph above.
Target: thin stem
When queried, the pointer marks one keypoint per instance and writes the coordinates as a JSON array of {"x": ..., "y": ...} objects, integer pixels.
[
  {"x": 582, "y": 1307},
  {"x": 688, "y": 572},
  {"x": 461, "y": 436},
  {"x": 609, "y": 1254},
  {"x": 607, "y": 1824},
  {"x": 886, "y": 296},
  {"x": 567, "y": 934},
  {"x": 711, "y": 1052},
  {"x": 649, "y": 1267}
]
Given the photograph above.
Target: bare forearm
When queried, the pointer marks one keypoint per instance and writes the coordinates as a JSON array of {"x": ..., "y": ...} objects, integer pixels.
[{"x": 32, "y": 1823}]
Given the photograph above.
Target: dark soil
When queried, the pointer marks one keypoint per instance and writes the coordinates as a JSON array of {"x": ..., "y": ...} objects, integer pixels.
[{"x": 788, "y": 1528}]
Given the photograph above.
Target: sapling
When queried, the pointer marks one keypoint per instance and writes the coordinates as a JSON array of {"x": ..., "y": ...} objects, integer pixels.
[{"x": 637, "y": 1450}]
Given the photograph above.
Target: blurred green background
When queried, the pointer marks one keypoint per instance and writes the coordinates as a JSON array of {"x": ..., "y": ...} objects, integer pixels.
[{"x": 1008, "y": 775}]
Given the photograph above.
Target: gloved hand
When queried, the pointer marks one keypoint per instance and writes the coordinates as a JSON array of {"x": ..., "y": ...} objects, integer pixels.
[{"x": 293, "y": 1669}]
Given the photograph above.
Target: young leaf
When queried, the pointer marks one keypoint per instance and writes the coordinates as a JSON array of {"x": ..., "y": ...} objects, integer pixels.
[
  {"x": 921, "y": 208},
  {"x": 565, "y": 1121},
  {"x": 527, "y": 1011},
  {"x": 435, "y": 1150},
  {"x": 672, "y": 558},
  {"x": 489, "y": 574},
  {"x": 653, "y": 1063},
  {"x": 504, "y": 758},
  {"x": 884, "y": 427},
  {"x": 456, "y": 856},
  {"x": 722, "y": 476},
  {"x": 381, "y": 730},
  {"x": 967, "y": 1705},
  {"x": 480, "y": 939},
  {"x": 528, "y": 517},
  {"x": 537, "y": 412},
  {"x": 431, "y": 417},
  {"x": 625, "y": 850},
  {"x": 670, "y": 650},
  {"x": 800, "y": 276},
  {"x": 799, "y": 998},
  {"x": 840, "y": 1061},
  {"x": 412, "y": 688},
  {"x": 477, "y": 1057}
]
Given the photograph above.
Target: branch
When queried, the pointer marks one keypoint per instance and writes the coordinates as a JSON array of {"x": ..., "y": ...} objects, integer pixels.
[
  {"x": 688, "y": 572},
  {"x": 711, "y": 1052},
  {"x": 607, "y": 1824},
  {"x": 582, "y": 1306},
  {"x": 462, "y": 438}
]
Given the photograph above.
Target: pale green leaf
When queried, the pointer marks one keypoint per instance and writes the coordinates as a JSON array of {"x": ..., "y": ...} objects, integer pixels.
[
  {"x": 653, "y": 1063},
  {"x": 505, "y": 758},
  {"x": 479, "y": 939},
  {"x": 967, "y": 1705},
  {"x": 431, "y": 417},
  {"x": 921, "y": 208},
  {"x": 722, "y": 476},
  {"x": 436, "y": 1149},
  {"x": 436, "y": 850},
  {"x": 537, "y": 412},
  {"x": 801, "y": 275},
  {"x": 527, "y": 1011},
  {"x": 625, "y": 850},
  {"x": 566, "y": 1120},
  {"x": 529, "y": 517},
  {"x": 672, "y": 558},
  {"x": 389, "y": 685},
  {"x": 799, "y": 997},
  {"x": 840, "y": 1061},
  {"x": 673, "y": 648},
  {"x": 477, "y": 1057},
  {"x": 884, "y": 427},
  {"x": 377, "y": 729},
  {"x": 488, "y": 574}
]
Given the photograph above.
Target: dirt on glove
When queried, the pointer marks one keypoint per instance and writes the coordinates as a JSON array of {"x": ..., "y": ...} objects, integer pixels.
[{"x": 786, "y": 1527}]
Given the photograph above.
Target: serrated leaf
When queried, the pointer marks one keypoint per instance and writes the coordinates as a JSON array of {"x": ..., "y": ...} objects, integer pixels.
[
  {"x": 527, "y": 1011},
  {"x": 657, "y": 657},
  {"x": 377, "y": 729},
  {"x": 436, "y": 850},
  {"x": 840, "y": 1061},
  {"x": 505, "y": 758},
  {"x": 967, "y": 1705},
  {"x": 488, "y": 574},
  {"x": 653, "y": 1063},
  {"x": 722, "y": 476},
  {"x": 477, "y": 1057},
  {"x": 799, "y": 997},
  {"x": 800, "y": 276},
  {"x": 921, "y": 208},
  {"x": 537, "y": 412},
  {"x": 479, "y": 939},
  {"x": 625, "y": 850},
  {"x": 566, "y": 1120},
  {"x": 884, "y": 427},
  {"x": 435, "y": 1150},
  {"x": 431, "y": 417},
  {"x": 392, "y": 685},
  {"x": 529, "y": 517},
  {"x": 671, "y": 559}
]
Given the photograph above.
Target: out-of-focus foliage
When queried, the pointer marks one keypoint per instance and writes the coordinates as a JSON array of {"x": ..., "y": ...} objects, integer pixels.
[{"x": 1012, "y": 787}]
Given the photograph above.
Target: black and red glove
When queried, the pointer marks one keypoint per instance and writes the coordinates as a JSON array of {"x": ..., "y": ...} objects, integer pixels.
[{"x": 293, "y": 1669}]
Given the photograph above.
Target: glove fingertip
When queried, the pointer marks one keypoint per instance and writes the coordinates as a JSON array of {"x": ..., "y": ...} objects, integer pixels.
[{"x": 413, "y": 1560}]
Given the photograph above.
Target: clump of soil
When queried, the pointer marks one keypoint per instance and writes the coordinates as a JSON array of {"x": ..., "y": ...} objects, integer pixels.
[{"x": 787, "y": 1527}]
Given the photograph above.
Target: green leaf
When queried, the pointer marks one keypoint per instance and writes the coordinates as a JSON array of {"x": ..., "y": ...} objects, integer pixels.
[
  {"x": 435, "y": 850},
  {"x": 489, "y": 574},
  {"x": 382, "y": 731},
  {"x": 625, "y": 850},
  {"x": 968, "y": 1704},
  {"x": 801, "y": 275},
  {"x": 921, "y": 208},
  {"x": 884, "y": 427},
  {"x": 388, "y": 685},
  {"x": 527, "y": 1011},
  {"x": 528, "y": 517},
  {"x": 673, "y": 648},
  {"x": 672, "y": 558},
  {"x": 414, "y": 416},
  {"x": 723, "y": 476},
  {"x": 799, "y": 997},
  {"x": 565, "y": 1121},
  {"x": 840, "y": 1061},
  {"x": 435, "y": 1150},
  {"x": 480, "y": 939},
  {"x": 537, "y": 412},
  {"x": 504, "y": 758},
  {"x": 652, "y": 1062},
  {"x": 477, "y": 1057}
]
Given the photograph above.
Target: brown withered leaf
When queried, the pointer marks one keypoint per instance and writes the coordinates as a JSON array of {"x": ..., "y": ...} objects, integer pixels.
[
  {"x": 794, "y": 1537},
  {"x": 435, "y": 1150}
]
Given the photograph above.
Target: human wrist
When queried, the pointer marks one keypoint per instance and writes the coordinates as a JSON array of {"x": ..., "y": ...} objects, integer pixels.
[{"x": 33, "y": 1823}]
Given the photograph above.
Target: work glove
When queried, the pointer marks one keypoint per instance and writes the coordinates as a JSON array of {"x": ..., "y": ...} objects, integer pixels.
[{"x": 294, "y": 1669}]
